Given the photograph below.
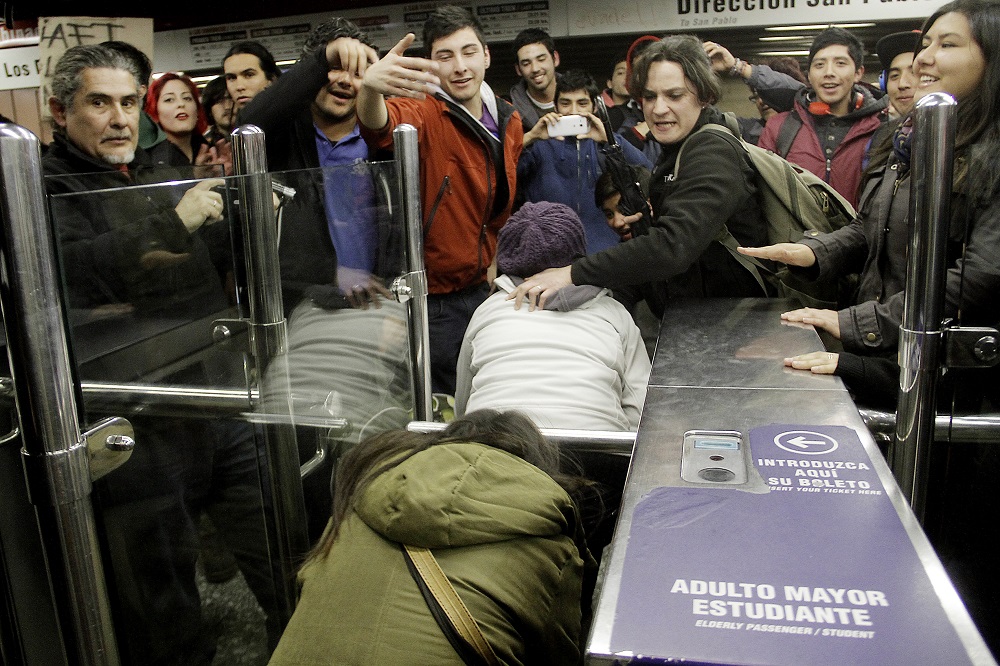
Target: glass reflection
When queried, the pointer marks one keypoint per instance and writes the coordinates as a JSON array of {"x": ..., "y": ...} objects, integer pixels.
[{"x": 149, "y": 269}]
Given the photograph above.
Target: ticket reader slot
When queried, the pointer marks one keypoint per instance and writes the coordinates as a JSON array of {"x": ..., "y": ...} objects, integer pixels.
[{"x": 714, "y": 456}]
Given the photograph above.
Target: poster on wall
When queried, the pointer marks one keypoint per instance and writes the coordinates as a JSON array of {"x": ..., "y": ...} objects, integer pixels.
[{"x": 57, "y": 34}]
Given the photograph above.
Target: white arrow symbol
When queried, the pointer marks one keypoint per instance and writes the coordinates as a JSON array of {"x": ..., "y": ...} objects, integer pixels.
[{"x": 804, "y": 443}]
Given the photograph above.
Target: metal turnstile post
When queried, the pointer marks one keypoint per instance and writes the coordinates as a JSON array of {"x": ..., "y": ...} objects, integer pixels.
[
  {"x": 267, "y": 340},
  {"x": 920, "y": 332},
  {"x": 54, "y": 451},
  {"x": 408, "y": 171}
]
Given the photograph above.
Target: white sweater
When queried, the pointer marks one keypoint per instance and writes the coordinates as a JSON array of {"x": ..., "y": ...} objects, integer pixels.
[{"x": 585, "y": 369}]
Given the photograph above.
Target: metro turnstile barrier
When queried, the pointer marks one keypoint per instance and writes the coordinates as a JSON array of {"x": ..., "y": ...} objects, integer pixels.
[
  {"x": 814, "y": 558},
  {"x": 149, "y": 390},
  {"x": 54, "y": 451}
]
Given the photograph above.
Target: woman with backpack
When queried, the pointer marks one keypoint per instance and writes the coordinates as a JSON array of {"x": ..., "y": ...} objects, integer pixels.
[
  {"x": 959, "y": 55},
  {"x": 485, "y": 500},
  {"x": 676, "y": 255}
]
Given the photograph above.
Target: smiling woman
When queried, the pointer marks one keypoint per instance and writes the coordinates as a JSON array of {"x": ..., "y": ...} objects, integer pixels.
[{"x": 956, "y": 56}]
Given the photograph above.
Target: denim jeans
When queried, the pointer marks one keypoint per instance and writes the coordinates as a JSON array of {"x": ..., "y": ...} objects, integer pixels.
[{"x": 448, "y": 317}]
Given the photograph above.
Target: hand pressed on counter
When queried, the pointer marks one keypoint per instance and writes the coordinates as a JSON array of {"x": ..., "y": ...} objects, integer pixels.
[
  {"x": 793, "y": 254},
  {"x": 823, "y": 319},
  {"x": 818, "y": 363}
]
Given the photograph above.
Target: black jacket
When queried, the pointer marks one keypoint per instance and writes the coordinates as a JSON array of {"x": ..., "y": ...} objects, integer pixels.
[
  {"x": 679, "y": 255},
  {"x": 166, "y": 154},
  {"x": 128, "y": 246},
  {"x": 307, "y": 257}
]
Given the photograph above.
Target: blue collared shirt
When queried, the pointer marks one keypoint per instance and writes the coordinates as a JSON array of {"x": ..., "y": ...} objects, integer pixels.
[{"x": 349, "y": 199}]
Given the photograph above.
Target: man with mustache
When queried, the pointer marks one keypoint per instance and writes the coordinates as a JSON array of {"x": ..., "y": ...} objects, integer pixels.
[
  {"x": 123, "y": 249},
  {"x": 309, "y": 120},
  {"x": 143, "y": 265}
]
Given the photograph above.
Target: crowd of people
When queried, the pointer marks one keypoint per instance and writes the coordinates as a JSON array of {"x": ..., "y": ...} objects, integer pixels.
[{"x": 514, "y": 212}]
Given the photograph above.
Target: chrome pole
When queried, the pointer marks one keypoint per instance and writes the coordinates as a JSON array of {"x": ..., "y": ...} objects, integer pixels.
[
  {"x": 932, "y": 155},
  {"x": 54, "y": 451},
  {"x": 408, "y": 171},
  {"x": 268, "y": 339}
]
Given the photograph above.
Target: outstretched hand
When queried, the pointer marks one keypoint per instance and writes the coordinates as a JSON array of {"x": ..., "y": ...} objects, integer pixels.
[
  {"x": 400, "y": 75},
  {"x": 793, "y": 254},
  {"x": 827, "y": 320}
]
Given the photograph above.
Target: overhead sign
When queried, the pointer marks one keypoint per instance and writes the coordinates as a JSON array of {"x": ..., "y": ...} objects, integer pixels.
[
  {"x": 203, "y": 48},
  {"x": 590, "y": 17}
]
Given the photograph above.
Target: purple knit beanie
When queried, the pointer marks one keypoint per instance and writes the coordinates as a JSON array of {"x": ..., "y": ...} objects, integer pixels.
[{"x": 539, "y": 236}]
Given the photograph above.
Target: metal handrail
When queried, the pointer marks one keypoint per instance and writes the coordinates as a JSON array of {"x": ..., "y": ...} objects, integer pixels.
[
  {"x": 54, "y": 450},
  {"x": 982, "y": 428},
  {"x": 589, "y": 441},
  {"x": 920, "y": 331}
]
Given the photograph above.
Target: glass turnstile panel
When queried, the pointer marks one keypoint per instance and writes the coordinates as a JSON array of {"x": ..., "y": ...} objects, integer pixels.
[
  {"x": 156, "y": 295},
  {"x": 347, "y": 352}
]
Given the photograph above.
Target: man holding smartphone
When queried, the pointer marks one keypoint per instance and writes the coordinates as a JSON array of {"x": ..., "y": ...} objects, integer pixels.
[{"x": 561, "y": 162}]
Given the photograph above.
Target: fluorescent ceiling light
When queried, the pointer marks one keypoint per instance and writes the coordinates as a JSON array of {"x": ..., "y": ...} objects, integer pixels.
[
  {"x": 284, "y": 63},
  {"x": 821, "y": 26},
  {"x": 784, "y": 38},
  {"x": 776, "y": 54}
]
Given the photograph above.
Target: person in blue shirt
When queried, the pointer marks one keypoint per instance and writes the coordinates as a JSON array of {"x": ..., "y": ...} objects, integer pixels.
[
  {"x": 565, "y": 169},
  {"x": 331, "y": 248},
  {"x": 346, "y": 347}
]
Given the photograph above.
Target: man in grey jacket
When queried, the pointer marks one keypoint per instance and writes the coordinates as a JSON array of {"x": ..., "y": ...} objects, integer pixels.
[{"x": 534, "y": 95}]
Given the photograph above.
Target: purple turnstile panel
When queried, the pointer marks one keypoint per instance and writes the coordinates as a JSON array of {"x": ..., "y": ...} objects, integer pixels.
[{"x": 819, "y": 570}]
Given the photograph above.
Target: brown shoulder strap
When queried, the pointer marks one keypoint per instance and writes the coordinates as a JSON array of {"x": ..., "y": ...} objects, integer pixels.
[{"x": 444, "y": 593}]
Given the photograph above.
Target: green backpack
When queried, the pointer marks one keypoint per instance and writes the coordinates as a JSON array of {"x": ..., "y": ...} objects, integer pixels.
[{"x": 795, "y": 203}]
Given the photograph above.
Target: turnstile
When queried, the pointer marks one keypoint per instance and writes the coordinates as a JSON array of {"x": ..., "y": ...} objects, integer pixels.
[{"x": 760, "y": 524}]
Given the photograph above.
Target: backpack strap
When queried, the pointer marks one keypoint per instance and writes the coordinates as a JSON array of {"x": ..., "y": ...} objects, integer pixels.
[
  {"x": 789, "y": 129},
  {"x": 755, "y": 267},
  {"x": 726, "y": 237}
]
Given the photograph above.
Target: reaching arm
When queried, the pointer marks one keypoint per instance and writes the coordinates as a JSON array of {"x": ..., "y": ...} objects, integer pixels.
[{"x": 776, "y": 88}]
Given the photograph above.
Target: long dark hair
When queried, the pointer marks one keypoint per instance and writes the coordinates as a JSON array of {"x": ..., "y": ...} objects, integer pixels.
[
  {"x": 508, "y": 431},
  {"x": 977, "y": 137}
]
